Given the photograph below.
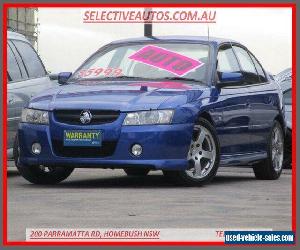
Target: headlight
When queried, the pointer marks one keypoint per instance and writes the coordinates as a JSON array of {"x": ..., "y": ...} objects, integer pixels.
[
  {"x": 35, "y": 116},
  {"x": 149, "y": 117}
]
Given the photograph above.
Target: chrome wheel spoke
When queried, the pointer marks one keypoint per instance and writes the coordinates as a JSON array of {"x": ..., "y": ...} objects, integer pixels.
[
  {"x": 207, "y": 154},
  {"x": 42, "y": 168},
  {"x": 45, "y": 169},
  {"x": 277, "y": 162},
  {"x": 275, "y": 136},
  {"x": 198, "y": 168},
  {"x": 201, "y": 137}
]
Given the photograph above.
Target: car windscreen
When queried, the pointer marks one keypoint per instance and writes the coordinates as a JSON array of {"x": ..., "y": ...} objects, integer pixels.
[{"x": 147, "y": 61}]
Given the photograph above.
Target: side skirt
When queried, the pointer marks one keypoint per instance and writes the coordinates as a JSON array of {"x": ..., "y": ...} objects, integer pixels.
[{"x": 242, "y": 159}]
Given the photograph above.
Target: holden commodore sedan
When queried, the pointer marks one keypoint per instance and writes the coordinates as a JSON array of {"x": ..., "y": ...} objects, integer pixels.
[{"x": 183, "y": 105}]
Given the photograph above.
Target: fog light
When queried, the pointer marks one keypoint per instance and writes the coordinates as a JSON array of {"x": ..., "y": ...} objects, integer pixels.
[
  {"x": 136, "y": 149},
  {"x": 36, "y": 148}
]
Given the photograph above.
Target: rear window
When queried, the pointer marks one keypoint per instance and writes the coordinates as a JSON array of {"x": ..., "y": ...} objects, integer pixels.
[
  {"x": 12, "y": 66},
  {"x": 287, "y": 96},
  {"x": 32, "y": 62}
]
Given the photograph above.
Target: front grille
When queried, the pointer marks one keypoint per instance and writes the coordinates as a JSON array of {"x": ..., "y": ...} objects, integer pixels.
[
  {"x": 107, "y": 149},
  {"x": 98, "y": 116}
]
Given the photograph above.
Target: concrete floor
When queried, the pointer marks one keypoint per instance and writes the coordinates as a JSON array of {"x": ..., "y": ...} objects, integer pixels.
[{"x": 108, "y": 198}]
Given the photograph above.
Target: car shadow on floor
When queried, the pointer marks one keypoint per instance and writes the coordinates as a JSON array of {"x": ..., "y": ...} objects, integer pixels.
[
  {"x": 12, "y": 173},
  {"x": 155, "y": 180},
  {"x": 151, "y": 181}
]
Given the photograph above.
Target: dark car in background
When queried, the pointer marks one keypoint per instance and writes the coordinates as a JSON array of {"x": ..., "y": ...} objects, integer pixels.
[
  {"x": 284, "y": 79},
  {"x": 26, "y": 77}
]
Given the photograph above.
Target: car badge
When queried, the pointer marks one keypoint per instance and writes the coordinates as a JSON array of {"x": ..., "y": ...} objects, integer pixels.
[{"x": 85, "y": 117}]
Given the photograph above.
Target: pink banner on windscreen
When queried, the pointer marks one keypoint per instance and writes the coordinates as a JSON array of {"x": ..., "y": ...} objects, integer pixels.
[{"x": 168, "y": 60}]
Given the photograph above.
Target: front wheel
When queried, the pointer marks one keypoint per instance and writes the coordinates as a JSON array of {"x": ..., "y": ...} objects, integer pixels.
[
  {"x": 16, "y": 151},
  {"x": 271, "y": 168},
  {"x": 203, "y": 157},
  {"x": 43, "y": 175}
]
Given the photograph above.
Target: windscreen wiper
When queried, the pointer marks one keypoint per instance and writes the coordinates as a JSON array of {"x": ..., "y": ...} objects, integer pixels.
[{"x": 176, "y": 78}]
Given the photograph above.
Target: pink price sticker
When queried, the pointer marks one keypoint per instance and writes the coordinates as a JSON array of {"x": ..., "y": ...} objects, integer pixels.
[{"x": 168, "y": 60}]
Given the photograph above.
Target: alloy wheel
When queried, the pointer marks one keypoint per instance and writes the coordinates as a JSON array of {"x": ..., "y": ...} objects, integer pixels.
[
  {"x": 46, "y": 169},
  {"x": 277, "y": 148},
  {"x": 202, "y": 153}
]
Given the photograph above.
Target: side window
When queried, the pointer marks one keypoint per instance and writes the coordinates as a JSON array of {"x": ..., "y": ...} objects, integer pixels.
[
  {"x": 12, "y": 66},
  {"x": 287, "y": 97},
  {"x": 227, "y": 61},
  {"x": 260, "y": 71},
  {"x": 32, "y": 62},
  {"x": 248, "y": 68},
  {"x": 19, "y": 61}
]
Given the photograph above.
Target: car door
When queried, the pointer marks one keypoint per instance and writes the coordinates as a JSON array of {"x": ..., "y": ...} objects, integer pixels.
[
  {"x": 233, "y": 104},
  {"x": 36, "y": 80},
  {"x": 262, "y": 98}
]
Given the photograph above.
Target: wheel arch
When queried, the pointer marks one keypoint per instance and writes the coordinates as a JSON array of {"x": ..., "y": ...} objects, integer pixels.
[
  {"x": 280, "y": 119},
  {"x": 206, "y": 116}
]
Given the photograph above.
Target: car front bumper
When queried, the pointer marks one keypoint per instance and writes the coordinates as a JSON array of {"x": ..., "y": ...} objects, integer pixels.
[{"x": 164, "y": 146}]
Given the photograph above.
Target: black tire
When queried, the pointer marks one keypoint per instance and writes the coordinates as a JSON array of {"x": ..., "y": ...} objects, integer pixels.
[
  {"x": 287, "y": 161},
  {"x": 136, "y": 171},
  {"x": 36, "y": 174},
  {"x": 265, "y": 169},
  {"x": 182, "y": 178},
  {"x": 16, "y": 151}
]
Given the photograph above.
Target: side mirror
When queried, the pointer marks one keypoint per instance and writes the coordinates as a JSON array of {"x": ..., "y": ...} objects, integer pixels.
[
  {"x": 63, "y": 77},
  {"x": 230, "y": 79}
]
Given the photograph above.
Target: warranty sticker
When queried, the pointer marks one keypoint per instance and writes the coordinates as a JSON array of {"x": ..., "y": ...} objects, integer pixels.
[{"x": 168, "y": 60}]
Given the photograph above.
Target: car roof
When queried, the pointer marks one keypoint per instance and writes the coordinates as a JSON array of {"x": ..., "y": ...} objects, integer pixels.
[
  {"x": 213, "y": 40},
  {"x": 16, "y": 36},
  {"x": 284, "y": 75},
  {"x": 286, "y": 85}
]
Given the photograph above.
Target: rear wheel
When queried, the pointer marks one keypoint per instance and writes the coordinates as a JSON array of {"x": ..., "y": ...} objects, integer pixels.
[
  {"x": 203, "y": 157},
  {"x": 44, "y": 175},
  {"x": 287, "y": 160},
  {"x": 271, "y": 168},
  {"x": 136, "y": 172}
]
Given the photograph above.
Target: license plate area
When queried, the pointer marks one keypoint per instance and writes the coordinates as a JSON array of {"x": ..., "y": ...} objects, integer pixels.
[{"x": 82, "y": 138}]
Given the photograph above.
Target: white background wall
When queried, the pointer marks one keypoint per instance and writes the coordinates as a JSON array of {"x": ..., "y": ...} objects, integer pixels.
[{"x": 65, "y": 41}]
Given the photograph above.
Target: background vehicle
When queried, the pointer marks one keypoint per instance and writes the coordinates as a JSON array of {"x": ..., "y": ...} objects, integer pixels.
[
  {"x": 145, "y": 115},
  {"x": 26, "y": 77},
  {"x": 284, "y": 78}
]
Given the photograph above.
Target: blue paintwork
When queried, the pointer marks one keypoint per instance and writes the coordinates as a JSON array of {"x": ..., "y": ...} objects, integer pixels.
[
  {"x": 63, "y": 77},
  {"x": 242, "y": 116},
  {"x": 231, "y": 77}
]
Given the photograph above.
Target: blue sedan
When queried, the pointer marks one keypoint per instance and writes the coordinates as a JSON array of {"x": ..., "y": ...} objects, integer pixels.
[{"x": 183, "y": 105}]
